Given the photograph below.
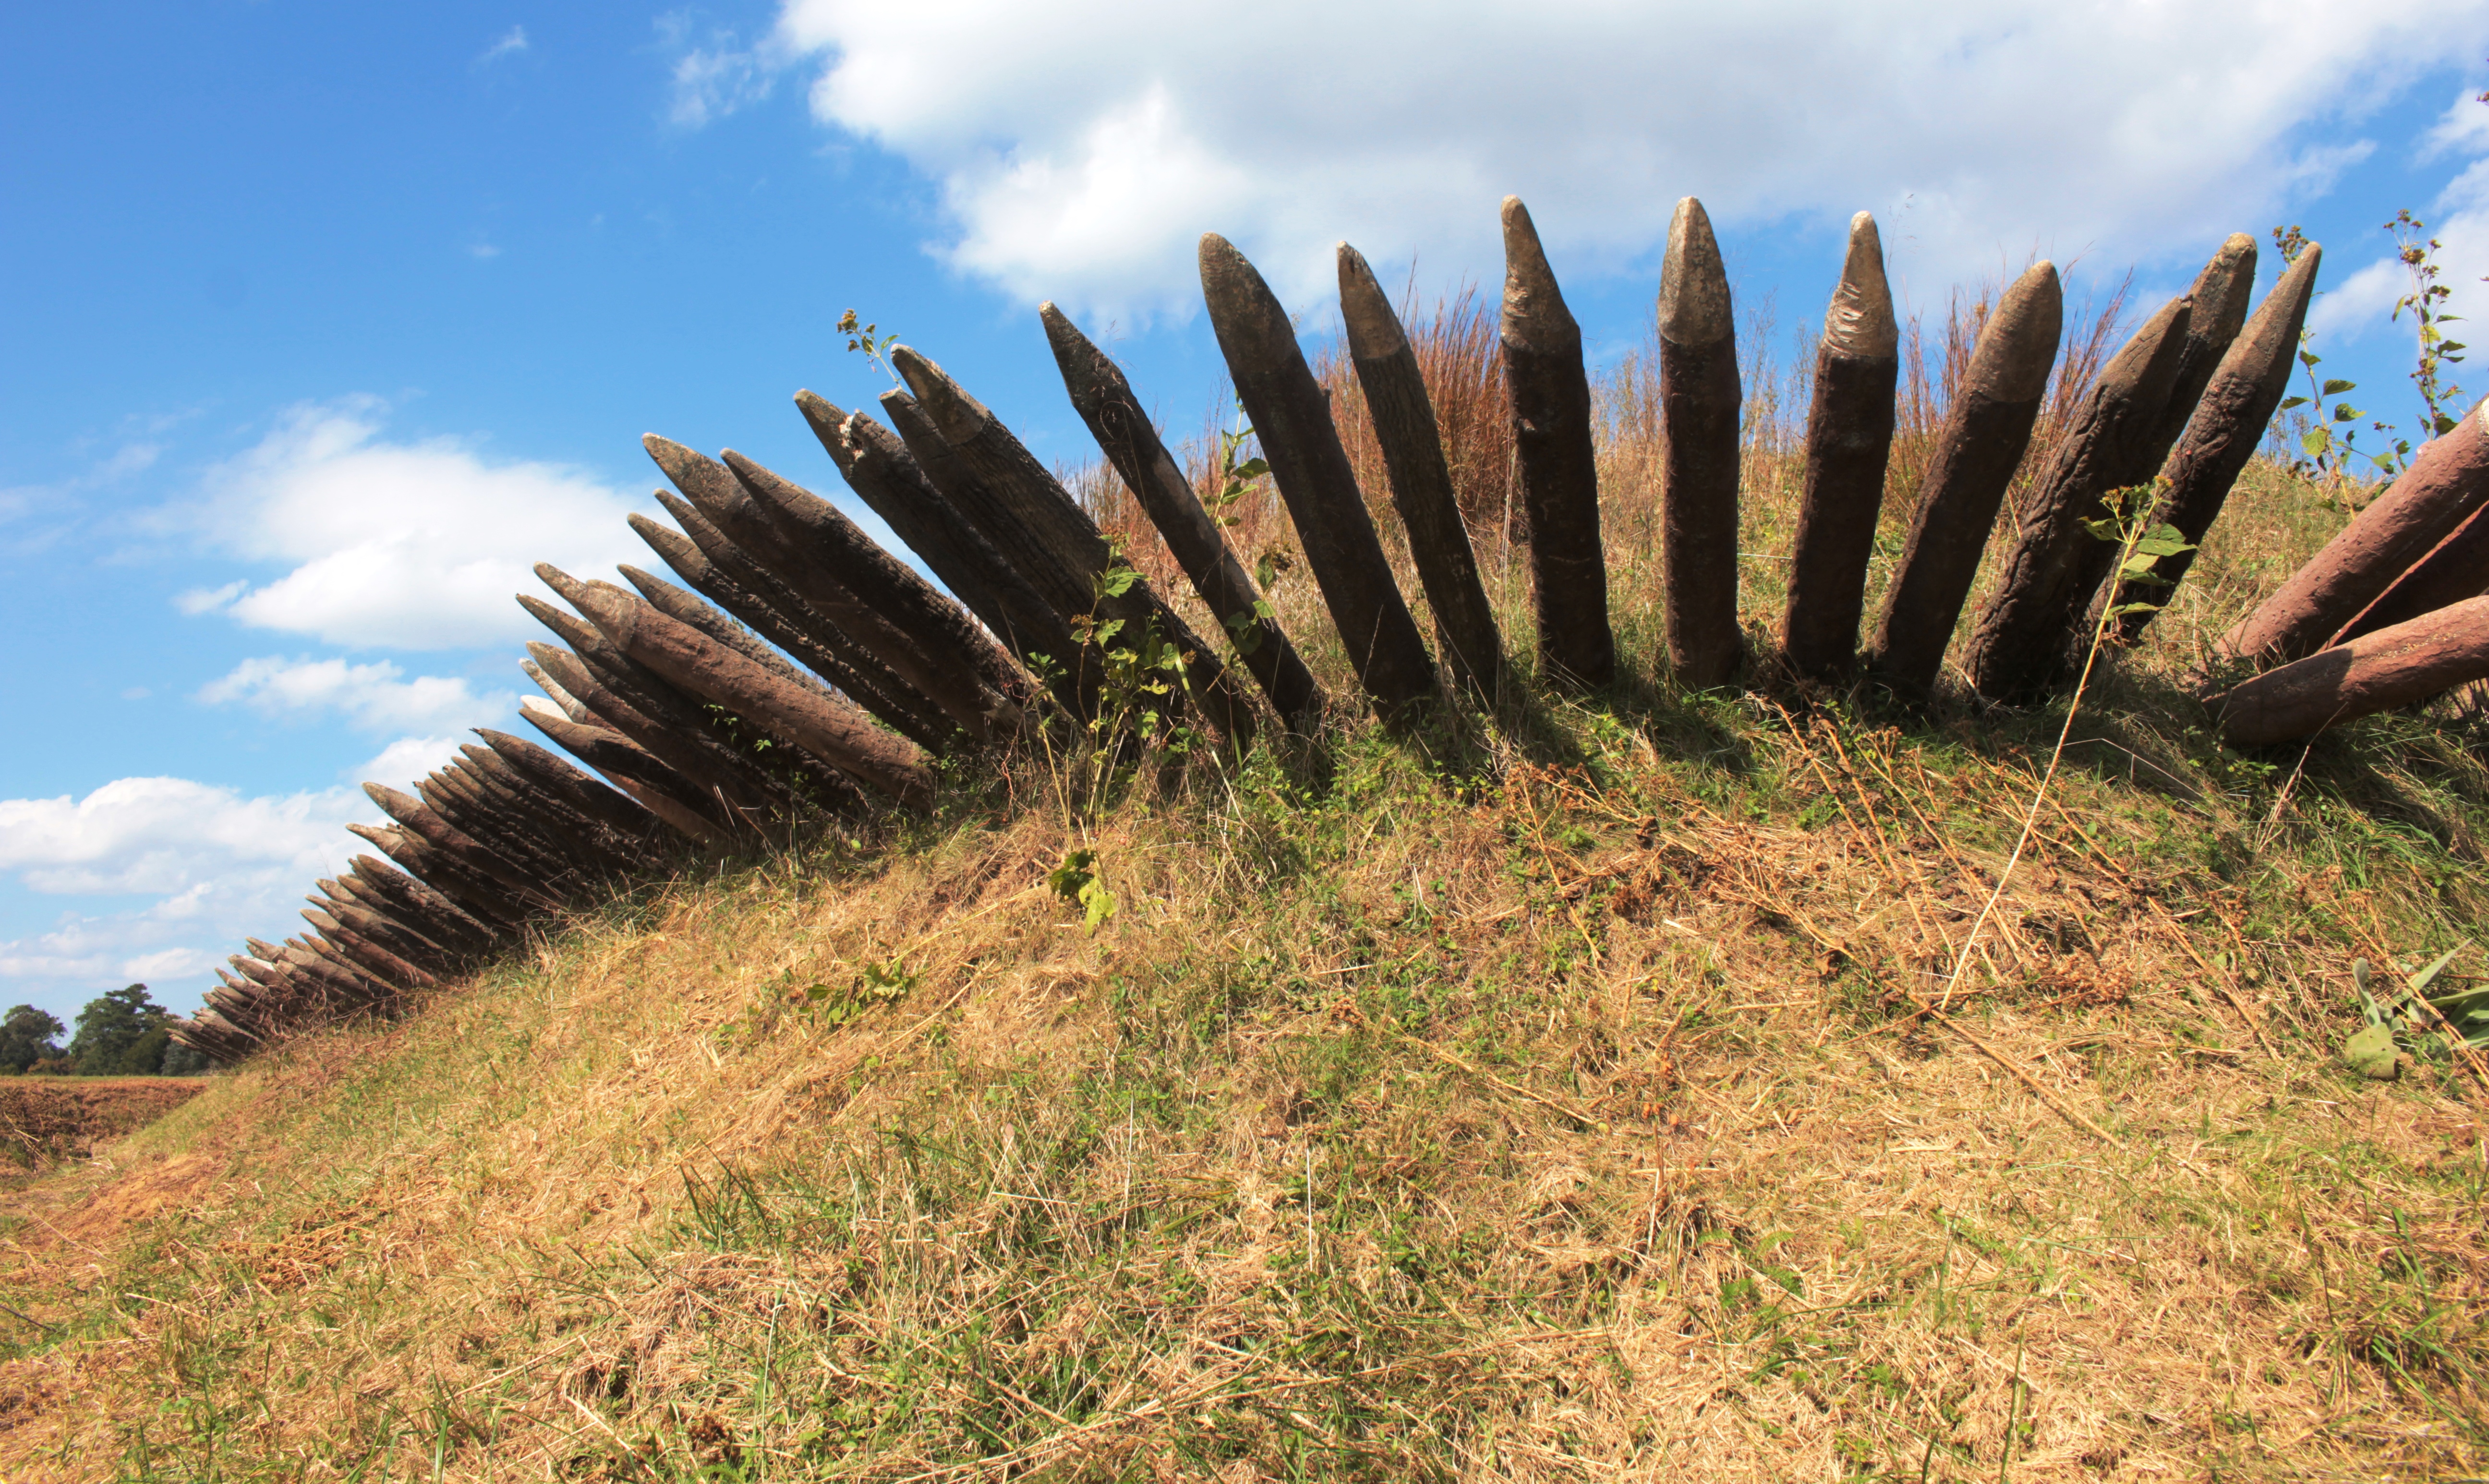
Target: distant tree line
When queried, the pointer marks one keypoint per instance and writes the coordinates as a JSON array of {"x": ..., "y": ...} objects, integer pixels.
[{"x": 119, "y": 1035}]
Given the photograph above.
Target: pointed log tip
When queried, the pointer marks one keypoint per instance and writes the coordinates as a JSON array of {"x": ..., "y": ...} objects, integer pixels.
[
  {"x": 608, "y": 607},
  {"x": 956, "y": 416},
  {"x": 1860, "y": 322},
  {"x": 1535, "y": 316},
  {"x": 1252, "y": 326},
  {"x": 1694, "y": 308},
  {"x": 1374, "y": 331},
  {"x": 2015, "y": 351},
  {"x": 2148, "y": 360}
]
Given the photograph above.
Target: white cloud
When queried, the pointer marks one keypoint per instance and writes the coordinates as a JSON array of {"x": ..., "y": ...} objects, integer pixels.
[
  {"x": 514, "y": 39},
  {"x": 408, "y": 759},
  {"x": 395, "y": 545},
  {"x": 219, "y": 867},
  {"x": 372, "y": 697},
  {"x": 1080, "y": 147},
  {"x": 713, "y": 80}
]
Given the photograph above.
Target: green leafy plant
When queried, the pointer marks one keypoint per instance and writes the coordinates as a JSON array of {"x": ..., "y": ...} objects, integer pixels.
[
  {"x": 873, "y": 983},
  {"x": 865, "y": 340},
  {"x": 2416, "y": 1021},
  {"x": 2328, "y": 438},
  {"x": 2141, "y": 544},
  {"x": 1076, "y": 881},
  {"x": 2426, "y": 301}
]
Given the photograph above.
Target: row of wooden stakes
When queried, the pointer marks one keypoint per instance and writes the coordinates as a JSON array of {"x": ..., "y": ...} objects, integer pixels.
[{"x": 798, "y": 669}]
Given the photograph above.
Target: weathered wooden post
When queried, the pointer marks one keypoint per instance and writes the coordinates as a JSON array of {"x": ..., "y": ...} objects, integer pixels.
[
  {"x": 1699, "y": 402},
  {"x": 921, "y": 659},
  {"x": 1558, "y": 467},
  {"x": 1422, "y": 480},
  {"x": 2447, "y": 481},
  {"x": 811, "y": 718},
  {"x": 893, "y": 588},
  {"x": 1104, "y": 400},
  {"x": 661, "y": 788},
  {"x": 2020, "y": 646},
  {"x": 915, "y": 513},
  {"x": 1984, "y": 434},
  {"x": 2228, "y": 423},
  {"x": 897, "y": 473},
  {"x": 771, "y": 609},
  {"x": 1013, "y": 474},
  {"x": 2218, "y": 299},
  {"x": 1292, "y": 419},
  {"x": 2378, "y": 671},
  {"x": 1848, "y": 440}
]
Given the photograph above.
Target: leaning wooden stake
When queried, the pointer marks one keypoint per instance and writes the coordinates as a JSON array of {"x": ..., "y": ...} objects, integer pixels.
[
  {"x": 813, "y": 720},
  {"x": 2220, "y": 297},
  {"x": 1699, "y": 400},
  {"x": 2227, "y": 426},
  {"x": 1291, "y": 417},
  {"x": 1104, "y": 401},
  {"x": 927, "y": 527},
  {"x": 887, "y": 470},
  {"x": 2447, "y": 481},
  {"x": 2393, "y": 667},
  {"x": 890, "y": 585},
  {"x": 1422, "y": 480},
  {"x": 1849, "y": 439},
  {"x": 923, "y": 659},
  {"x": 1072, "y": 540},
  {"x": 2021, "y": 644},
  {"x": 1980, "y": 447},
  {"x": 1557, "y": 467},
  {"x": 648, "y": 778}
]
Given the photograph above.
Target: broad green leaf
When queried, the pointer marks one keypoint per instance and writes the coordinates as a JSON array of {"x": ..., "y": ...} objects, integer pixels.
[
  {"x": 2336, "y": 387},
  {"x": 2421, "y": 981},
  {"x": 2372, "y": 1053},
  {"x": 2317, "y": 441},
  {"x": 2287, "y": 403}
]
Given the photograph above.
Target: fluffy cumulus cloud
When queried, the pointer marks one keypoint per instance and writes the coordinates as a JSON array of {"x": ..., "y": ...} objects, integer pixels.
[
  {"x": 1080, "y": 147},
  {"x": 395, "y": 545},
  {"x": 183, "y": 872},
  {"x": 374, "y": 696}
]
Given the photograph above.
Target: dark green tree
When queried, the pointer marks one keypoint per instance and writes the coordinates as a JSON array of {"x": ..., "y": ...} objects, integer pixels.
[
  {"x": 121, "y": 1035},
  {"x": 26, "y": 1037}
]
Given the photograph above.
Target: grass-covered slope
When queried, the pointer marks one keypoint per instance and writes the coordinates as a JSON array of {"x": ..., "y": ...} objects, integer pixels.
[
  {"x": 1643, "y": 1087},
  {"x": 1579, "y": 1122}
]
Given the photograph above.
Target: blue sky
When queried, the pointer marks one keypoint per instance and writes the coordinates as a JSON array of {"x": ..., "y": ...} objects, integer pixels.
[{"x": 328, "y": 319}]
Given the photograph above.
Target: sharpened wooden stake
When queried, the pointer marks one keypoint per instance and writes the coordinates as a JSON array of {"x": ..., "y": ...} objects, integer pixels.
[
  {"x": 1556, "y": 466},
  {"x": 1984, "y": 434},
  {"x": 648, "y": 779},
  {"x": 388, "y": 889},
  {"x": 1291, "y": 417},
  {"x": 914, "y": 474},
  {"x": 1465, "y": 637},
  {"x": 1848, "y": 440},
  {"x": 930, "y": 529},
  {"x": 2222, "y": 434},
  {"x": 1012, "y": 475},
  {"x": 2220, "y": 298},
  {"x": 1698, "y": 395},
  {"x": 648, "y": 710},
  {"x": 753, "y": 593},
  {"x": 811, "y": 718},
  {"x": 889, "y": 585},
  {"x": 2393, "y": 667},
  {"x": 2031, "y": 634},
  {"x": 2447, "y": 481},
  {"x": 919, "y": 659},
  {"x": 442, "y": 835},
  {"x": 1104, "y": 400}
]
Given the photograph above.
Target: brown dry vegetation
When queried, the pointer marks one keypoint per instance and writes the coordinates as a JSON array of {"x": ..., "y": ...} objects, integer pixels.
[
  {"x": 1587, "y": 1094},
  {"x": 45, "y": 1121}
]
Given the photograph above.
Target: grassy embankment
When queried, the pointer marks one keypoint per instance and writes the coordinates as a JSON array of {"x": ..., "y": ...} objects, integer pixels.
[{"x": 1586, "y": 1096}]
